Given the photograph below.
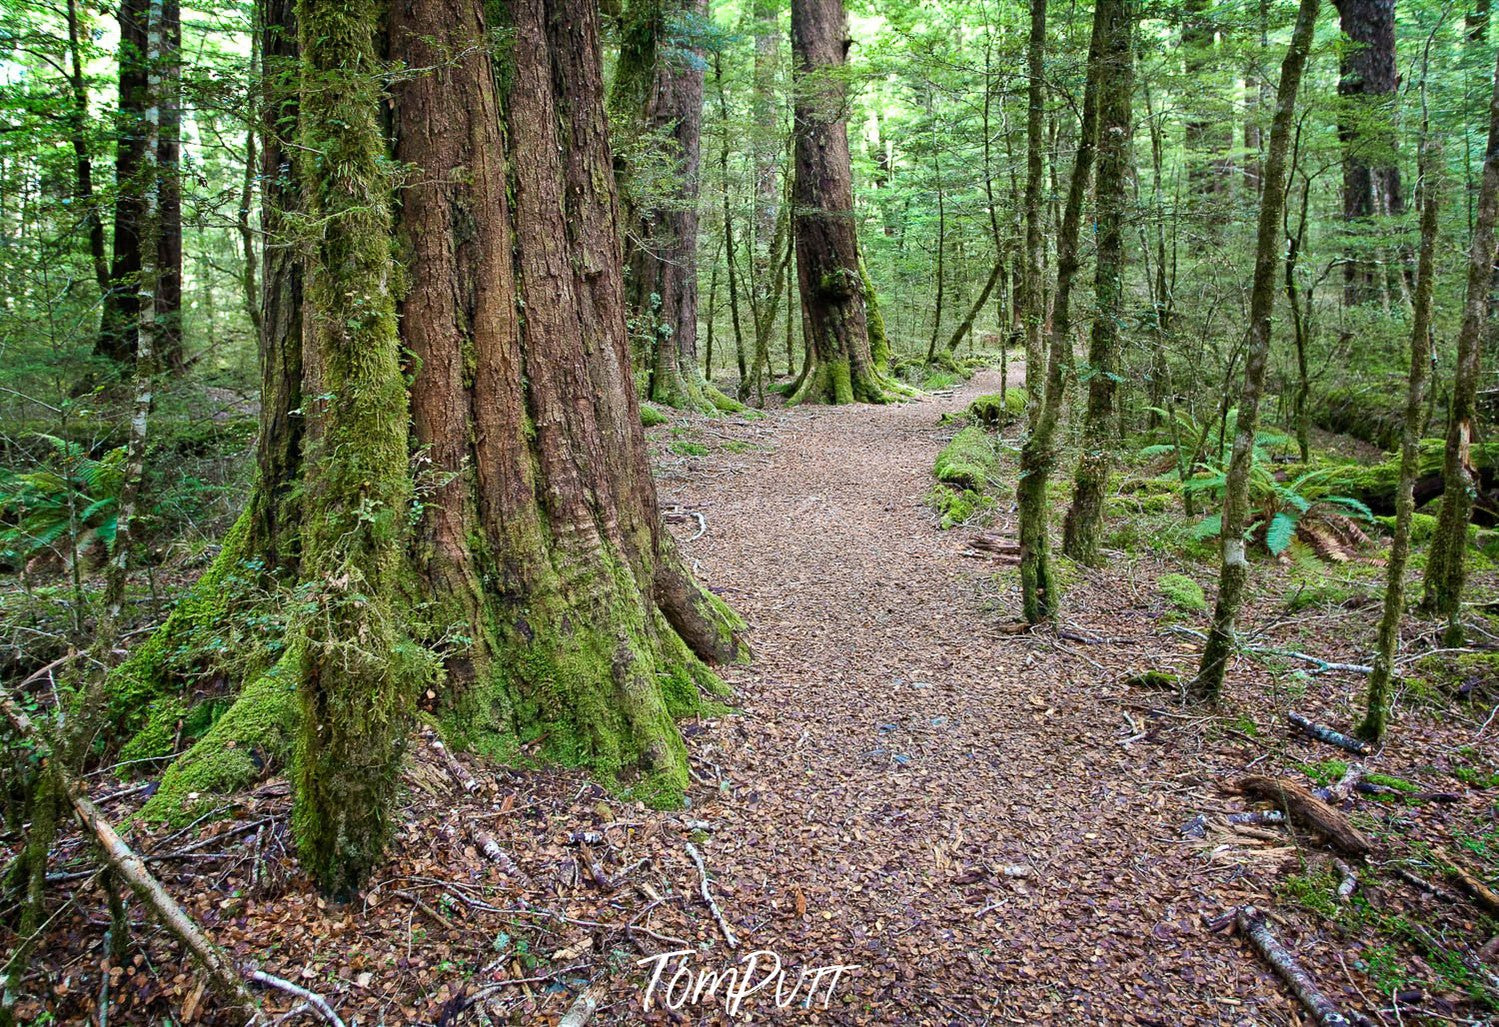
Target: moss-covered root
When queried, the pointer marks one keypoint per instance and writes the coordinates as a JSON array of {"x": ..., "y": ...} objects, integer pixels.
[
  {"x": 190, "y": 634},
  {"x": 254, "y": 737},
  {"x": 838, "y": 382},
  {"x": 968, "y": 461}
]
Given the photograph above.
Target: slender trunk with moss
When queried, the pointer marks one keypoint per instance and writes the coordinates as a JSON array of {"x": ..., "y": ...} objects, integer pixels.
[
  {"x": 965, "y": 326},
  {"x": 1208, "y": 683},
  {"x": 1032, "y": 292},
  {"x": 1083, "y": 524},
  {"x": 1039, "y": 599},
  {"x": 508, "y": 553},
  {"x": 1377, "y": 708},
  {"x": 1446, "y": 565},
  {"x": 827, "y": 251}
]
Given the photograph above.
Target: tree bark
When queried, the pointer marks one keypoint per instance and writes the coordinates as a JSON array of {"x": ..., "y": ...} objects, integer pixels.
[
  {"x": 827, "y": 250},
  {"x": 1032, "y": 293},
  {"x": 1208, "y": 683},
  {"x": 1084, "y": 521},
  {"x": 661, "y": 240},
  {"x": 506, "y": 551},
  {"x": 1371, "y": 176},
  {"x": 83, "y": 160},
  {"x": 1446, "y": 563}
]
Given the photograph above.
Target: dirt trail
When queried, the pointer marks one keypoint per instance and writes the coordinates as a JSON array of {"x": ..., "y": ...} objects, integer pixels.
[{"x": 898, "y": 750}]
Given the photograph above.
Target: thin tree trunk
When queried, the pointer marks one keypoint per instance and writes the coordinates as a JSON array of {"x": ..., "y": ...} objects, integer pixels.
[
  {"x": 1083, "y": 525},
  {"x": 1235, "y": 568},
  {"x": 966, "y": 325},
  {"x": 118, "y": 320},
  {"x": 1039, "y": 598},
  {"x": 1033, "y": 300},
  {"x": 728, "y": 229},
  {"x": 169, "y": 354},
  {"x": 1446, "y": 563},
  {"x": 1300, "y": 314},
  {"x": 1377, "y": 708}
]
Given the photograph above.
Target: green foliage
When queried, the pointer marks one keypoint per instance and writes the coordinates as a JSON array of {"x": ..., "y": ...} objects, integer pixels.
[
  {"x": 1283, "y": 506},
  {"x": 68, "y": 496},
  {"x": 995, "y": 410}
]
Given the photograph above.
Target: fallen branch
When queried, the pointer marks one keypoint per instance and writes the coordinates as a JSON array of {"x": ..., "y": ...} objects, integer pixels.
[
  {"x": 1323, "y": 733},
  {"x": 499, "y": 857},
  {"x": 1338, "y": 791},
  {"x": 1349, "y": 881},
  {"x": 130, "y": 868},
  {"x": 1436, "y": 891},
  {"x": 1305, "y": 808},
  {"x": 457, "y": 771},
  {"x": 1481, "y": 893},
  {"x": 582, "y": 1010},
  {"x": 312, "y": 998},
  {"x": 1251, "y": 924},
  {"x": 723, "y": 924}
]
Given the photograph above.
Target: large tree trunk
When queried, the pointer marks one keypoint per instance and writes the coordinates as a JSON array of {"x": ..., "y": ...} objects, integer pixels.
[
  {"x": 1235, "y": 567},
  {"x": 661, "y": 240},
  {"x": 120, "y": 317},
  {"x": 1446, "y": 564},
  {"x": 1371, "y": 176},
  {"x": 488, "y": 532},
  {"x": 827, "y": 250},
  {"x": 1084, "y": 522}
]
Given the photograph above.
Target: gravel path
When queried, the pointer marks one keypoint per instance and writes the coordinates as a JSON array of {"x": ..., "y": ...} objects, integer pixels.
[{"x": 898, "y": 750}]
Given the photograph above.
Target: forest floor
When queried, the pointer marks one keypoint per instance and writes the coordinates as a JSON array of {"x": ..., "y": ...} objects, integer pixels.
[{"x": 898, "y": 746}]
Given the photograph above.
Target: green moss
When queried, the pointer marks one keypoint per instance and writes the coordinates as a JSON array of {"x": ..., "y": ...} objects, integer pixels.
[
  {"x": 253, "y": 738},
  {"x": 1183, "y": 593},
  {"x": 683, "y": 447},
  {"x": 650, "y": 416},
  {"x": 158, "y": 736},
  {"x": 998, "y": 409},
  {"x": 957, "y": 506},
  {"x": 1451, "y": 673},
  {"x": 968, "y": 461}
]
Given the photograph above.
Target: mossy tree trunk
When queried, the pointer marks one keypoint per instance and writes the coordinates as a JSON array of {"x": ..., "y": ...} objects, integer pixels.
[
  {"x": 660, "y": 238},
  {"x": 1446, "y": 564},
  {"x": 469, "y": 508},
  {"x": 1234, "y": 572},
  {"x": 1377, "y": 707},
  {"x": 827, "y": 251},
  {"x": 1038, "y": 454},
  {"x": 1084, "y": 521}
]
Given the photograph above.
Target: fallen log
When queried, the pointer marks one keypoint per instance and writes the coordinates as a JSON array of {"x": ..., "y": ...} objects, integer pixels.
[
  {"x": 1304, "y": 808},
  {"x": 499, "y": 857},
  {"x": 1338, "y": 791},
  {"x": 1349, "y": 881},
  {"x": 1323, "y": 733},
  {"x": 1251, "y": 924}
]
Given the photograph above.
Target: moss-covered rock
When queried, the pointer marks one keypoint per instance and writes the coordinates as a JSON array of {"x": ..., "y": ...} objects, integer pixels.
[
  {"x": 650, "y": 416},
  {"x": 956, "y": 506},
  {"x": 1182, "y": 592}
]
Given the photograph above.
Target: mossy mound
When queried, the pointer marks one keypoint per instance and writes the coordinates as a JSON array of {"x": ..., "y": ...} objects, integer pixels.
[
  {"x": 650, "y": 416},
  {"x": 968, "y": 461},
  {"x": 957, "y": 506},
  {"x": 997, "y": 409},
  {"x": 1461, "y": 674},
  {"x": 1183, "y": 593}
]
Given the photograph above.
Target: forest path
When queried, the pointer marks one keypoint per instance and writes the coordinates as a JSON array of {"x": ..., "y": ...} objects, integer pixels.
[{"x": 898, "y": 749}]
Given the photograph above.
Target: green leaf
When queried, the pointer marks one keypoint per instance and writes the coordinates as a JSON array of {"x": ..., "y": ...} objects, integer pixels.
[
  {"x": 1282, "y": 529},
  {"x": 1208, "y": 527}
]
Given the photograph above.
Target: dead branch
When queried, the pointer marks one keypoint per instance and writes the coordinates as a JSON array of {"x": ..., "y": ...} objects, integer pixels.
[
  {"x": 1323, "y": 733},
  {"x": 1251, "y": 924},
  {"x": 582, "y": 1010},
  {"x": 723, "y": 924},
  {"x": 499, "y": 857},
  {"x": 1306, "y": 809},
  {"x": 457, "y": 771},
  {"x": 1436, "y": 891},
  {"x": 1349, "y": 881},
  {"x": 1480, "y": 892},
  {"x": 1338, "y": 791},
  {"x": 311, "y": 998}
]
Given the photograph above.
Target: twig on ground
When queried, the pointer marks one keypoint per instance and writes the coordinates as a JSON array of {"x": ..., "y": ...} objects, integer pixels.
[
  {"x": 582, "y": 1009},
  {"x": 1349, "y": 881},
  {"x": 723, "y": 924},
  {"x": 311, "y": 998}
]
